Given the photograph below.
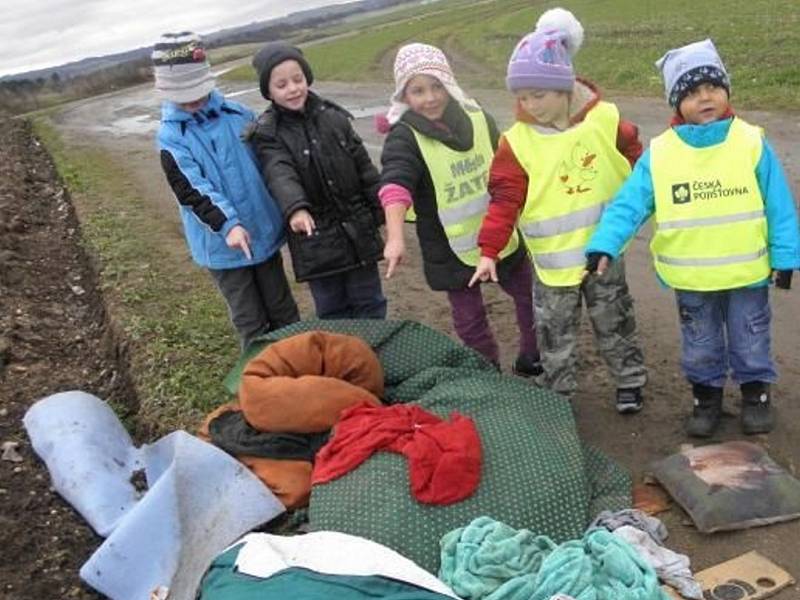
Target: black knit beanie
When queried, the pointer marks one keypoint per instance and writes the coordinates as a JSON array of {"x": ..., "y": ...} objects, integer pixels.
[{"x": 273, "y": 54}]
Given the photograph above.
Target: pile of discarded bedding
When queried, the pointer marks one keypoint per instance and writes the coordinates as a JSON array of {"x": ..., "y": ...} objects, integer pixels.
[
  {"x": 498, "y": 445},
  {"x": 426, "y": 474}
]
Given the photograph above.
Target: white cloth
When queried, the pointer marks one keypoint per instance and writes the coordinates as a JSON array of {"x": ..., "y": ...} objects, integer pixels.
[
  {"x": 198, "y": 500},
  {"x": 330, "y": 553},
  {"x": 647, "y": 534},
  {"x": 672, "y": 568}
]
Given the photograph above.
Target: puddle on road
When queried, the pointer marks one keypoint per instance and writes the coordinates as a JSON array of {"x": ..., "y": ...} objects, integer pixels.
[
  {"x": 136, "y": 125},
  {"x": 147, "y": 124},
  {"x": 358, "y": 112},
  {"x": 140, "y": 124}
]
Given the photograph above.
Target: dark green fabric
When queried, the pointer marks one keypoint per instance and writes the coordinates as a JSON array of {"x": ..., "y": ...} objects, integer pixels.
[
  {"x": 387, "y": 339},
  {"x": 231, "y": 432},
  {"x": 222, "y": 582},
  {"x": 536, "y": 473}
]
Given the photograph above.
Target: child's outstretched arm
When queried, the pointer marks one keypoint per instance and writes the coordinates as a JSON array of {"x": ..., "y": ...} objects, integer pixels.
[
  {"x": 633, "y": 204},
  {"x": 508, "y": 186},
  {"x": 395, "y": 248},
  {"x": 401, "y": 175},
  {"x": 193, "y": 190},
  {"x": 279, "y": 173},
  {"x": 782, "y": 224}
]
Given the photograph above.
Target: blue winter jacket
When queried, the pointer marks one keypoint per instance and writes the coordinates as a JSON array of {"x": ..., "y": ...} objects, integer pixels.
[
  {"x": 634, "y": 204},
  {"x": 217, "y": 182}
]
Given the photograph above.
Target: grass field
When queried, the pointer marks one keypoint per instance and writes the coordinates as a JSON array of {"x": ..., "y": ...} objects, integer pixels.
[
  {"x": 156, "y": 298},
  {"x": 226, "y": 53},
  {"x": 758, "y": 40}
]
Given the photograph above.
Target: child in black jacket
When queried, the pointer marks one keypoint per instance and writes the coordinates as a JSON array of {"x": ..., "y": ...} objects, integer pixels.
[{"x": 317, "y": 169}]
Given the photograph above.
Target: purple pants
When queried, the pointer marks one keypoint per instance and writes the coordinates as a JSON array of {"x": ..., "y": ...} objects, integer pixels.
[{"x": 472, "y": 325}]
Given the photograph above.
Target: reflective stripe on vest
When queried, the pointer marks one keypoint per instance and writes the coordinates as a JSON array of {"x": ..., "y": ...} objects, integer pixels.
[
  {"x": 452, "y": 216},
  {"x": 565, "y": 259},
  {"x": 712, "y": 262},
  {"x": 564, "y": 224},
  {"x": 459, "y": 182},
  {"x": 571, "y": 176},
  {"x": 710, "y": 223}
]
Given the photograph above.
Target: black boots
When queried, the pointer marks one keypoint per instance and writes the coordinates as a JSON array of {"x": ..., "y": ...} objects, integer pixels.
[
  {"x": 707, "y": 411},
  {"x": 756, "y": 412},
  {"x": 527, "y": 366}
]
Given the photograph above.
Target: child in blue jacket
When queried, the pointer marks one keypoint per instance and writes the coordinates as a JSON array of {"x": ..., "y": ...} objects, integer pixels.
[
  {"x": 725, "y": 227},
  {"x": 232, "y": 225}
]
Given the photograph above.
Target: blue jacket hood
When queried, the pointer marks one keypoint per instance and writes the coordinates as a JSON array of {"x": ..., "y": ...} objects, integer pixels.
[{"x": 702, "y": 136}]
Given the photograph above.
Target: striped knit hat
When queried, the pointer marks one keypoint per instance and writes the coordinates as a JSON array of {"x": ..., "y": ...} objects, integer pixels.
[
  {"x": 181, "y": 69},
  {"x": 685, "y": 68},
  {"x": 422, "y": 59}
]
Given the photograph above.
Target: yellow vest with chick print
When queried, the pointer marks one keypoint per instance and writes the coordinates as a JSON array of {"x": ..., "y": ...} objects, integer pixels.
[{"x": 572, "y": 175}]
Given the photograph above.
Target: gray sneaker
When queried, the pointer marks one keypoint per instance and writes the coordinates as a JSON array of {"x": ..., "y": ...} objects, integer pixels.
[{"x": 629, "y": 400}]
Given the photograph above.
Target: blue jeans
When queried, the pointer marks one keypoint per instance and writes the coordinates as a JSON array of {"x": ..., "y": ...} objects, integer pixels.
[
  {"x": 726, "y": 330},
  {"x": 355, "y": 294}
]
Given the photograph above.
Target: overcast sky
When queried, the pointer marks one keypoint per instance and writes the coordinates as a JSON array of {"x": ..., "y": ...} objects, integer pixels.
[{"x": 46, "y": 33}]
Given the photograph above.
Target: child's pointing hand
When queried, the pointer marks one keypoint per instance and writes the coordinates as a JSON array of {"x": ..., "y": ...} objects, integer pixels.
[{"x": 485, "y": 271}]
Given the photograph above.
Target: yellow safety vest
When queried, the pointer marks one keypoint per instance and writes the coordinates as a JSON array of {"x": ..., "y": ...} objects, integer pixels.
[
  {"x": 572, "y": 175},
  {"x": 711, "y": 228},
  {"x": 459, "y": 182}
]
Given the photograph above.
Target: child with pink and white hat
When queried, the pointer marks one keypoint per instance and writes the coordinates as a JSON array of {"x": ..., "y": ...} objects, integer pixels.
[{"x": 436, "y": 160}]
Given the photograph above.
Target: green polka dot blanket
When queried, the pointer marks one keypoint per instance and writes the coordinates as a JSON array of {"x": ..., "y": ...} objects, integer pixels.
[{"x": 536, "y": 473}]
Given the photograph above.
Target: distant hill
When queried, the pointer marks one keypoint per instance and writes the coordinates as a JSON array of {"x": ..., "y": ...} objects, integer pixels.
[
  {"x": 81, "y": 67},
  {"x": 253, "y": 32}
]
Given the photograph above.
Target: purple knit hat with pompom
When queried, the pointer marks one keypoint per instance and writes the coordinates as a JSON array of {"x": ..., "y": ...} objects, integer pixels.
[{"x": 543, "y": 59}]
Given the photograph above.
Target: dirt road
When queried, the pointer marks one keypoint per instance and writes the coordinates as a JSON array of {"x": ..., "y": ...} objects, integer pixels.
[{"x": 124, "y": 124}]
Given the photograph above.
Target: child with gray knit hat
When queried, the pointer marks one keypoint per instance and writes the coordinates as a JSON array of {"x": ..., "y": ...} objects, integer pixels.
[
  {"x": 320, "y": 173},
  {"x": 567, "y": 153},
  {"x": 725, "y": 228},
  {"x": 231, "y": 223}
]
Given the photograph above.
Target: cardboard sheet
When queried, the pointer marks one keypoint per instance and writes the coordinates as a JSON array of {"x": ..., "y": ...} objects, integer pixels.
[{"x": 747, "y": 577}]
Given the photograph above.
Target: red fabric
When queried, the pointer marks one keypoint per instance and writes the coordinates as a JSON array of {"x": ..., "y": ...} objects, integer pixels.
[
  {"x": 508, "y": 181},
  {"x": 444, "y": 458}
]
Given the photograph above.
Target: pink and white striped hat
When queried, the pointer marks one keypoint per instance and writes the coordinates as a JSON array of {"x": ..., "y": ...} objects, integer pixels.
[{"x": 422, "y": 59}]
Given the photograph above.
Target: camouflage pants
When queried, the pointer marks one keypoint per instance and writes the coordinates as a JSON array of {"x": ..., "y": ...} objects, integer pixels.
[{"x": 610, "y": 308}]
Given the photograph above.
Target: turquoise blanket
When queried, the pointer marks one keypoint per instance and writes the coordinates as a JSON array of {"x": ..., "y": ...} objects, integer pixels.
[{"x": 488, "y": 560}]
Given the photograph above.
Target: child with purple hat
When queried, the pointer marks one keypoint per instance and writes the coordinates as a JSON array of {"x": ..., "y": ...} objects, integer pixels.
[
  {"x": 725, "y": 226},
  {"x": 555, "y": 169}
]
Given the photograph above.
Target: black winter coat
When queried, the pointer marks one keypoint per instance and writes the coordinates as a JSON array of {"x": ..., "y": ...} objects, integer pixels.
[
  {"x": 403, "y": 165},
  {"x": 315, "y": 160}
]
